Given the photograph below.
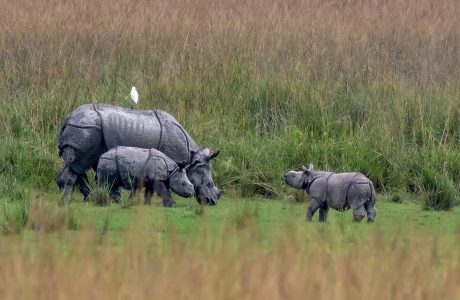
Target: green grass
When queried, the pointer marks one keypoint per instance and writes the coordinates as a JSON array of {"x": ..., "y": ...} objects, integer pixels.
[
  {"x": 272, "y": 219},
  {"x": 388, "y": 109}
]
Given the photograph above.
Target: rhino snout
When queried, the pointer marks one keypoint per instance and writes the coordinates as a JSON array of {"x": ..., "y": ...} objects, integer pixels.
[
  {"x": 211, "y": 201},
  {"x": 286, "y": 177}
]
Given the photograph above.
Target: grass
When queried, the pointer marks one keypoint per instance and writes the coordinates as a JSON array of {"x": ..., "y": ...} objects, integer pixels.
[
  {"x": 348, "y": 86},
  {"x": 190, "y": 220},
  {"x": 243, "y": 248}
]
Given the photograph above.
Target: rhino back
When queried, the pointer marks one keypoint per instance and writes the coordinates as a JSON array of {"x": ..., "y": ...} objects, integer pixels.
[
  {"x": 80, "y": 128},
  {"x": 131, "y": 163},
  {"x": 168, "y": 166},
  {"x": 175, "y": 143},
  {"x": 344, "y": 189},
  {"x": 125, "y": 127}
]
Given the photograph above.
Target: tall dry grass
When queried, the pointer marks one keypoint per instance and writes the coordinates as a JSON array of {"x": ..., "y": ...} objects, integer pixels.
[
  {"x": 352, "y": 85},
  {"x": 59, "y": 40},
  {"x": 232, "y": 266}
]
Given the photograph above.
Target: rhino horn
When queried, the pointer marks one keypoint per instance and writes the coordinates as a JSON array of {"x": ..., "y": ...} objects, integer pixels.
[
  {"x": 300, "y": 167},
  {"x": 215, "y": 154}
]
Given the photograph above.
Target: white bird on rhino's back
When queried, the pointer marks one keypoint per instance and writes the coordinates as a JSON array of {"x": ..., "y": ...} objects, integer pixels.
[{"x": 134, "y": 95}]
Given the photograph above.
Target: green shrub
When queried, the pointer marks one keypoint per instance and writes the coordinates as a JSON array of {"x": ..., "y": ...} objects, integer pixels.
[
  {"x": 100, "y": 196},
  {"x": 73, "y": 219},
  {"x": 439, "y": 191},
  {"x": 127, "y": 199},
  {"x": 14, "y": 215}
]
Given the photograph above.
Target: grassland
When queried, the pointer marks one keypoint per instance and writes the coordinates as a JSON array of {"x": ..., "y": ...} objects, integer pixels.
[
  {"x": 371, "y": 86},
  {"x": 353, "y": 85},
  {"x": 242, "y": 248}
]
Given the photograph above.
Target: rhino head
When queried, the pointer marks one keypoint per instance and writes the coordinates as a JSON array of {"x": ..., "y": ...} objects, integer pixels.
[
  {"x": 180, "y": 184},
  {"x": 300, "y": 177},
  {"x": 199, "y": 173}
]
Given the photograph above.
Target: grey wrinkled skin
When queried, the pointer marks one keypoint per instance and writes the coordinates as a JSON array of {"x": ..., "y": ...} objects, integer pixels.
[
  {"x": 92, "y": 129},
  {"x": 199, "y": 173},
  {"x": 340, "y": 191},
  {"x": 134, "y": 168}
]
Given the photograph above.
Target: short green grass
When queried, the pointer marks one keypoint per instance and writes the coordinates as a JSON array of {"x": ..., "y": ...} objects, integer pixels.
[{"x": 272, "y": 219}]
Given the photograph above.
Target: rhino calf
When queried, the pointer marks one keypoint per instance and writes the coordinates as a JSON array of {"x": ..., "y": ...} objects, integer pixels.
[
  {"x": 133, "y": 168},
  {"x": 340, "y": 191}
]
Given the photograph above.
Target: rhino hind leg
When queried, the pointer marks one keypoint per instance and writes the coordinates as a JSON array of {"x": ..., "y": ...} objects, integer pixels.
[
  {"x": 323, "y": 210},
  {"x": 371, "y": 212},
  {"x": 83, "y": 185},
  {"x": 163, "y": 191},
  {"x": 65, "y": 180},
  {"x": 148, "y": 194},
  {"x": 111, "y": 181},
  {"x": 359, "y": 214}
]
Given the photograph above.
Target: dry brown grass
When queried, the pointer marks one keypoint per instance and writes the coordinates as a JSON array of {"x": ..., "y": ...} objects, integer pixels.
[
  {"x": 418, "y": 39},
  {"x": 233, "y": 266}
]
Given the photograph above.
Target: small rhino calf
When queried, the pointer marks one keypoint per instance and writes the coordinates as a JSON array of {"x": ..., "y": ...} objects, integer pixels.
[
  {"x": 133, "y": 168},
  {"x": 340, "y": 191}
]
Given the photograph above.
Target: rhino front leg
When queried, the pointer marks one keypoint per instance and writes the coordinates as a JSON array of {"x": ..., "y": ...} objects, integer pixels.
[
  {"x": 163, "y": 191},
  {"x": 359, "y": 214},
  {"x": 312, "y": 208},
  {"x": 323, "y": 210}
]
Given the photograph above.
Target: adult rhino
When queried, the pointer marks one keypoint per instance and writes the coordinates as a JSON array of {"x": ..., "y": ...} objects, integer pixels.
[
  {"x": 340, "y": 191},
  {"x": 92, "y": 129}
]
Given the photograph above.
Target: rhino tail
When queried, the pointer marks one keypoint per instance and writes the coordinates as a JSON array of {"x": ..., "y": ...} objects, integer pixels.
[
  {"x": 372, "y": 192},
  {"x": 61, "y": 130}
]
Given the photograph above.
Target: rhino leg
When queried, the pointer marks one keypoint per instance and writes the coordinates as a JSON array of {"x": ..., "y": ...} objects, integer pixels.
[
  {"x": 83, "y": 185},
  {"x": 323, "y": 210},
  {"x": 163, "y": 191},
  {"x": 148, "y": 194},
  {"x": 66, "y": 180},
  {"x": 107, "y": 176},
  {"x": 359, "y": 214},
  {"x": 371, "y": 212},
  {"x": 312, "y": 208}
]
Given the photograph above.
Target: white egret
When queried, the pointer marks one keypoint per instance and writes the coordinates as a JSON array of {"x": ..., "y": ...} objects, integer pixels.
[{"x": 134, "y": 95}]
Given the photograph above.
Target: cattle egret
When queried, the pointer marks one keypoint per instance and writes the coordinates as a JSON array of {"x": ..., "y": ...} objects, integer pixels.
[{"x": 134, "y": 95}]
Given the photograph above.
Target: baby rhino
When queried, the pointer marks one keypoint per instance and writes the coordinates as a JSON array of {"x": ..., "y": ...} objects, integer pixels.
[
  {"x": 340, "y": 191},
  {"x": 134, "y": 168}
]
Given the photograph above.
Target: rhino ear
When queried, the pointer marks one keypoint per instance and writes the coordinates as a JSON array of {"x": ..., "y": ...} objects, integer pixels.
[
  {"x": 311, "y": 168},
  {"x": 206, "y": 151},
  {"x": 192, "y": 154},
  {"x": 182, "y": 165},
  {"x": 215, "y": 154}
]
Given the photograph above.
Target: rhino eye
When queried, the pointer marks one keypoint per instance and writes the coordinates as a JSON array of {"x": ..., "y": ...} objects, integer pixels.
[{"x": 209, "y": 184}]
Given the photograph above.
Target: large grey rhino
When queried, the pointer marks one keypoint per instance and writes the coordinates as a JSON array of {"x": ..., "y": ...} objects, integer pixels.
[
  {"x": 340, "y": 191},
  {"x": 134, "y": 168},
  {"x": 92, "y": 129}
]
